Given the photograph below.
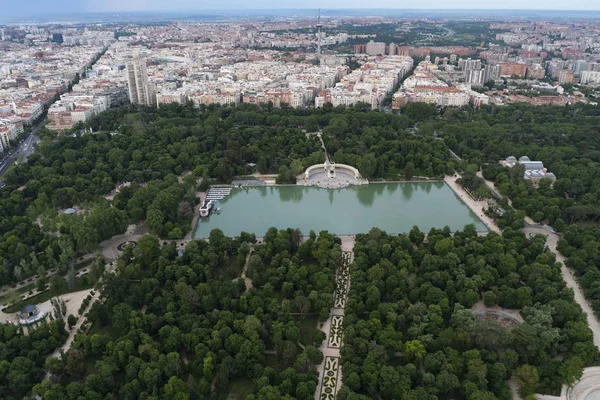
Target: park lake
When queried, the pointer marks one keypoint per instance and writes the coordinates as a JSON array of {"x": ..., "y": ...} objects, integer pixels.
[{"x": 392, "y": 207}]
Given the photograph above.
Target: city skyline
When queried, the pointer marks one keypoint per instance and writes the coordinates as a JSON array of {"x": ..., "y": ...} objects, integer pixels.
[{"x": 110, "y": 6}]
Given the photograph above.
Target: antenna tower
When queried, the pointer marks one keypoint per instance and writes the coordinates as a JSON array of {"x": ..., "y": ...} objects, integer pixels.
[{"x": 319, "y": 26}]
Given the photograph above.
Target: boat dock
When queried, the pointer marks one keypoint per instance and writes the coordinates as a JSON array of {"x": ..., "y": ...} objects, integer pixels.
[{"x": 218, "y": 192}]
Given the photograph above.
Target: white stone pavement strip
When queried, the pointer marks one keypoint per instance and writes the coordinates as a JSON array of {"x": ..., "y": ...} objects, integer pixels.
[
  {"x": 343, "y": 273},
  {"x": 335, "y": 331},
  {"x": 330, "y": 370},
  {"x": 330, "y": 378},
  {"x": 476, "y": 206}
]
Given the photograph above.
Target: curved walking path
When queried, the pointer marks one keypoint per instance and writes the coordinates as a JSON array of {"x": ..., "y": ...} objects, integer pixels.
[
  {"x": 79, "y": 297},
  {"x": 247, "y": 280},
  {"x": 569, "y": 277},
  {"x": 587, "y": 388},
  {"x": 551, "y": 241},
  {"x": 492, "y": 186},
  {"x": 591, "y": 375}
]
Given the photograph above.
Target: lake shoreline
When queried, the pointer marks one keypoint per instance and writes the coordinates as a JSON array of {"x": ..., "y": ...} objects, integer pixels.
[
  {"x": 475, "y": 206},
  {"x": 393, "y": 206},
  {"x": 317, "y": 187}
]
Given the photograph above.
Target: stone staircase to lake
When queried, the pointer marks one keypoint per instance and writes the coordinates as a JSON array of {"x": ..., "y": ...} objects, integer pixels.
[{"x": 218, "y": 192}]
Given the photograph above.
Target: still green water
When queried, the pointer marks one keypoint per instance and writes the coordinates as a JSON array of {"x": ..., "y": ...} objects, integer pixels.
[{"x": 392, "y": 207}]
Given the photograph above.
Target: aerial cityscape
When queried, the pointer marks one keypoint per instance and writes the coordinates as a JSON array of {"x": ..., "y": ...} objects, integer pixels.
[{"x": 322, "y": 201}]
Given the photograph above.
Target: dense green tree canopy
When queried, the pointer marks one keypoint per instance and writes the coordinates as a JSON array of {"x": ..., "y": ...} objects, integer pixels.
[
  {"x": 152, "y": 147},
  {"x": 179, "y": 327},
  {"x": 200, "y": 330},
  {"x": 409, "y": 328}
]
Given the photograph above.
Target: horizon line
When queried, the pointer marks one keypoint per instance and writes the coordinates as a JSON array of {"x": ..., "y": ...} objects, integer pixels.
[
  {"x": 21, "y": 18},
  {"x": 311, "y": 9}
]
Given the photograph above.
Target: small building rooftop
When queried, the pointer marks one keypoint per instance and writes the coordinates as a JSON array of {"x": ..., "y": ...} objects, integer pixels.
[{"x": 28, "y": 309}]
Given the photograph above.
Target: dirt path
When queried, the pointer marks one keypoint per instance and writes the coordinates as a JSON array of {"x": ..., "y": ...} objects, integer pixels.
[
  {"x": 569, "y": 277},
  {"x": 514, "y": 388},
  {"x": 551, "y": 242},
  {"x": 492, "y": 186},
  {"x": 247, "y": 280},
  {"x": 76, "y": 299}
]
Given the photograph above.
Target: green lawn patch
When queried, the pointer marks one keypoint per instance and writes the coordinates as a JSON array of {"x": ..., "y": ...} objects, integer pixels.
[
  {"x": 106, "y": 330},
  {"x": 233, "y": 270},
  {"x": 82, "y": 284},
  {"x": 84, "y": 264},
  {"x": 240, "y": 388},
  {"x": 90, "y": 364},
  {"x": 26, "y": 288},
  {"x": 22, "y": 290},
  {"x": 307, "y": 328},
  {"x": 272, "y": 361}
]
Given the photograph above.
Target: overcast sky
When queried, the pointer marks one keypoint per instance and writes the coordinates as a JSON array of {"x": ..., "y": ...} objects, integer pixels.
[{"x": 30, "y": 7}]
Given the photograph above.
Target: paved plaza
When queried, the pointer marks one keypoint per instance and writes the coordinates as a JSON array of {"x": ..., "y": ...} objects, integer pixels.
[{"x": 341, "y": 179}]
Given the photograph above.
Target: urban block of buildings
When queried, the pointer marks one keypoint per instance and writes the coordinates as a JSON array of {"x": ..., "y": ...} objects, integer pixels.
[
  {"x": 424, "y": 86},
  {"x": 369, "y": 84},
  {"x": 278, "y": 62}
]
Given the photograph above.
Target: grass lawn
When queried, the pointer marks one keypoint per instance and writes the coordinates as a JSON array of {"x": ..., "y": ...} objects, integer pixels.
[
  {"x": 84, "y": 264},
  {"x": 240, "y": 388},
  {"x": 233, "y": 271},
  {"x": 47, "y": 295},
  {"x": 307, "y": 328},
  {"x": 26, "y": 288},
  {"x": 107, "y": 330},
  {"x": 272, "y": 361},
  {"x": 22, "y": 290},
  {"x": 90, "y": 364}
]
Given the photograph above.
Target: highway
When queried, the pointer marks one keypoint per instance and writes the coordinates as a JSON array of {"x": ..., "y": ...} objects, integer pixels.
[{"x": 25, "y": 148}]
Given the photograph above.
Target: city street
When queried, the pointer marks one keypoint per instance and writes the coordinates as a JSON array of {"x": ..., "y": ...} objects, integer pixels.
[{"x": 26, "y": 148}]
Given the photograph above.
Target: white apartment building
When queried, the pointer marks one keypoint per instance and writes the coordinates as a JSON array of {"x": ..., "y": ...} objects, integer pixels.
[
  {"x": 208, "y": 98},
  {"x": 468, "y": 64},
  {"x": 392, "y": 48},
  {"x": 432, "y": 96},
  {"x": 140, "y": 90},
  {"x": 375, "y": 48},
  {"x": 475, "y": 77},
  {"x": 82, "y": 114},
  {"x": 9, "y": 130},
  {"x": 29, "y": 109},
  {"x": 590, "y": 77},
  {"x": 453, "y": 99},
  {"x": 478, "y": 99},
  {"x": 73, "y": 108},
  {"x": 171, "y": 97}
]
